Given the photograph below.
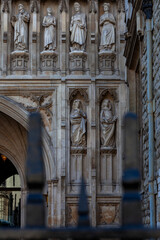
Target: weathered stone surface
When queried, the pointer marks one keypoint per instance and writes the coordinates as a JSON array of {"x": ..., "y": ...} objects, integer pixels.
[{"x": 49, "y": 80}]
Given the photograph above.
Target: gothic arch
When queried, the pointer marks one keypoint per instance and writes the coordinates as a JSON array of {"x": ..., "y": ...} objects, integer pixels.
[{"x": 17, "y": 112}]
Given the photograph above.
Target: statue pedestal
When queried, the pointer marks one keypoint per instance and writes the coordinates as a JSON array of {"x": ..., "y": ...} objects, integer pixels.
[
  {"x": 48, "y": 60},
  {"x": 79, "y": 166},
  {"x": 19, "y": 60},
  {"x": 108, "y": 171},
  {"x": 106, "y": 62},
  {"x": 77, "y": 61}
]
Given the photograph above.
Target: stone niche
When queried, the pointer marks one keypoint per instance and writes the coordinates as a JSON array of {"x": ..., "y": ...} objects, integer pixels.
[
  {"x": 78, "y": 39},
  {"x": 107, "y": 39},
  {"x": 49, "y": 36},
  {"x": 19, "y": 52},
  {"x": 78, "y": 164},
  {"x": 108, "y": 165}
]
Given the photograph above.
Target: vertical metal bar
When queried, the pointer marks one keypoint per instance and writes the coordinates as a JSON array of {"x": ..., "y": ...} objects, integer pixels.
[
  {"x": 83, "y": 211},
  {"x": 131, "y": 202},
  {"x": 35, "y": 210}
]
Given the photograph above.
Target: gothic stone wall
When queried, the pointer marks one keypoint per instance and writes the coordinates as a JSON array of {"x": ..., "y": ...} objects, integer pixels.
[
  {"x": 156, "y": 94},
  {"x": 79, "y": 90}
]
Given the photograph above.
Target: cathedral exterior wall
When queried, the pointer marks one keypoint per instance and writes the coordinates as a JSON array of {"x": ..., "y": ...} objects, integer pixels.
[{"x": 75, "y": 78}]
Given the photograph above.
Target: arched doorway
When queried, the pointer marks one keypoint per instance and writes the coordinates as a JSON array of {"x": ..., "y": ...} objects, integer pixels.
[
  {"x": 10, "y": 193},
  {"x": 13, "y": 144}
]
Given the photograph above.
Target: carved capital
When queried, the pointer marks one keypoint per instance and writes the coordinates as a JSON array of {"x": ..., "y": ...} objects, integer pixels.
[
  {"x": 5, "y": 6},
  {"x": 147, "y": 8}
]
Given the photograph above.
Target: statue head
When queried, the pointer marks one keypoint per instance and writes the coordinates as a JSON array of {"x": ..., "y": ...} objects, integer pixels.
[
  {"x": 106, "y": 6},
  {"x": 21, "y": 8},
  {"x": 106, "y": 105},
  {"x": 77, "y": 6},
  {"x": 49, "y": 11},
  {"x": 76, "y": 104}
]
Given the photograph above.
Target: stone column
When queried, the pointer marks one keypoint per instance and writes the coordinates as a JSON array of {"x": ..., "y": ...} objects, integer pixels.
[
  {"x": 35, "y": 27},
  {"x": 63, "y": 151},
  {"x": 93, "y": 154},
  {"x": 63, "y": 46},
  {"x": 4, "y": 17},
  {"x": 23, "y": 206},
  {"x": 93, "y": 48}
]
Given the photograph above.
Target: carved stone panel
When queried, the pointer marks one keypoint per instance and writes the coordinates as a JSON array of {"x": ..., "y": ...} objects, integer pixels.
[
  {"x": 19, "y": 60},
  {"x": 72, "y": 214},
  {"x": 78, "y": 61},
  {"x": 42, "y": 103},
  {"x": 106, "y": 62},
  {"x": 108, "y": 214},
  {"x": 48, "y": 61},
  {"x": 79, "y": 167}
]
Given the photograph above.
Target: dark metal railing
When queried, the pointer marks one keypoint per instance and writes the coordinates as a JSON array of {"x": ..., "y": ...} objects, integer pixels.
[{"x": 35, "y": 228}]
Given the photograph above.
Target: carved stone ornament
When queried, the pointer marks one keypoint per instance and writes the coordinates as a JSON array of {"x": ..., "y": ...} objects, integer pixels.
[
  {"x": 20, "y": 25},
  {"x": 5, "y": 6},
  {"x": 93, "y": 6},
  {"x": 103, "y": 92},
  {"x": 78, "y": 124},
  {"x": 19, "y": 60},
  {"x": 78, "y": 29},
  {"x": 72, "y": 216},
  {"x": 49, "y": 24},
  {"x": 107, "y": 27},
  {"x": 108, "y": 214},
  {"x": 108, "y": 124},
  {"x": 34, "y": 6},
  {"x": 63, "y": 6},
  {"x": 81, "y": 91},
  {"x": 41, "y": 102},
  {"x": 48, "y": 60},
  {"x": 78, "y": 61},
  {"x": 106, "y": 62}
]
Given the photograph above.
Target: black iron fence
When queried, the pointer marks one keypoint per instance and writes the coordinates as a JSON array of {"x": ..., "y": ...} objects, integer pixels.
[{"x": 35, "y": 228}]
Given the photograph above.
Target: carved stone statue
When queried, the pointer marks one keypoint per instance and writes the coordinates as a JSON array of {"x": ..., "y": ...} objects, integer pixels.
[
  {"x": 78, "y": 29},
  {"x": 49, "y": 22},
  {"x": 108, "y": 122},
  {"x": 20, "y": 24},
  {"x": 107, "y": 25},
  {"x": 78, "y": 124}
]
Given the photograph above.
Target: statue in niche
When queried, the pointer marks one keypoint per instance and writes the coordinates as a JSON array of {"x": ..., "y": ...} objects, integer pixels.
[
  {"x": 49, "y": 23},
  {"x": 78, "y": 124},
  {"x": 20, "y": 24},
  {"x": 78, "y": 29},
  {"x": 108, "y": 123},
  {"x": 107, "y": 25}
]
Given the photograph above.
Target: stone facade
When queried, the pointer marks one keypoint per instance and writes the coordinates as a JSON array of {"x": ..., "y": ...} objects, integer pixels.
[
  {"x": 136, "y": 58},
  {"x": 67, "y": 80}
]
